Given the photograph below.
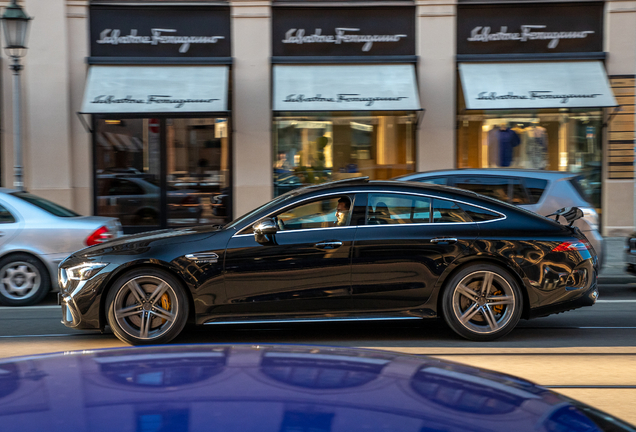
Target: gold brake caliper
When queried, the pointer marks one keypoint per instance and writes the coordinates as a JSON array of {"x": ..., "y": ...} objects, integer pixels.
[
  {"x": 498, "y": 308},
  {"x": 165, "y": 303}
]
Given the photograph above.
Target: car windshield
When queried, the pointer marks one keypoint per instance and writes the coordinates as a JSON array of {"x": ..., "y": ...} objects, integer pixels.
[{"x": 46, "y": 205}]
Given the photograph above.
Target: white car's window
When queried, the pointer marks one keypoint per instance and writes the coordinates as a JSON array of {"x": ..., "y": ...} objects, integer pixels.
[{"x": 5, "y": 216}]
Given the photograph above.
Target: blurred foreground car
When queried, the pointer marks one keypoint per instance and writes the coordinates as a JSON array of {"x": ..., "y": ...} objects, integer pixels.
[
  {"x": 402, "y": 251},
  {"x": 273, "y": 388},
  {"x": 542, "y": 192},
  {"x": 35, "y": 236}
]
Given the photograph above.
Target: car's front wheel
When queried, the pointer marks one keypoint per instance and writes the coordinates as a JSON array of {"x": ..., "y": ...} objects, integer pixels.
[
  {"x": 482, "y": 302},
  {"x": 147, "y": 306}
]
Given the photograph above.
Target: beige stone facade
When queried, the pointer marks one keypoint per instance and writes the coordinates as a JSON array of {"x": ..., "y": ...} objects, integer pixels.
[{"x": 57, "y": 148}]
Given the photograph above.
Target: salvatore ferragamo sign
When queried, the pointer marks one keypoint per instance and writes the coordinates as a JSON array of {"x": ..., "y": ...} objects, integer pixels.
[
  {"x": 160, "y": 31},
  {"x": 518, "y": 29},
  {"x": 341, "y": 31}
]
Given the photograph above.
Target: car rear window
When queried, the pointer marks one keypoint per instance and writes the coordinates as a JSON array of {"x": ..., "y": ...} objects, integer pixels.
[
  {"x": 46, "y": 205},
  {"x": 535, "y": 188}
]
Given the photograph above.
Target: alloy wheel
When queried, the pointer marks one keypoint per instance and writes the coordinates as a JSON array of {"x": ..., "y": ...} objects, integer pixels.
[
  {"x": 484, "y": 302},
  {"x": 146, "y": 307},
  {"x": 20, "y": 280}
]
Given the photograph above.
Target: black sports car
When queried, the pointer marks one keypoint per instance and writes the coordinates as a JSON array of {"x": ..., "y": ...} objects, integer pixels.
[{"x": 349, "y": 249}]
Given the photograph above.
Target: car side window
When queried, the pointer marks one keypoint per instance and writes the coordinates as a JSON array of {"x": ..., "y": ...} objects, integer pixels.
[
  {"x": 5, "y": 216},
  {"x": 478, "y": 214},
  {"x": 324, "y": 213},
  {"x": 124, "y": 187},
  {"x": 495, "y": 187},
  {"x": 445, "y": 211},
  {"x": 433, "y": 180},
  {"x": 385, "y": 209},
  {"x": 519, "y": 195},
  {"x": 535, "y": 188}
]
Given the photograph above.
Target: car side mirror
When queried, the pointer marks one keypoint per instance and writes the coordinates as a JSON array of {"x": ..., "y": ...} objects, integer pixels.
[{"x": 263, "y": 228}]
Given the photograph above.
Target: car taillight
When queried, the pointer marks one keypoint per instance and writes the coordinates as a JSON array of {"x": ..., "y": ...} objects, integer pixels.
[
  {"x": 99, "y": 236},
  {"x": 572, "y": 245}
]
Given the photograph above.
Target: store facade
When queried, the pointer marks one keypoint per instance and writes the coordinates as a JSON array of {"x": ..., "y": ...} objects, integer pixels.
[
  {"x": 158, "y": 96},
  {"x": 533, "y": 92},
  {"x": 345, "y": 99}
]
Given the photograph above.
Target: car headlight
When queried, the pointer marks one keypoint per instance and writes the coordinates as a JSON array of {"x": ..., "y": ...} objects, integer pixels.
[{"x": 84, "y": 271}]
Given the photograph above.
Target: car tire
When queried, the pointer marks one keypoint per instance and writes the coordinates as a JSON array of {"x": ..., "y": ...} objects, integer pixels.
[
  {"x": 24, "y": 280},
  {"x": 482, "y": 302},
  {"x": 147, "y": 306}
]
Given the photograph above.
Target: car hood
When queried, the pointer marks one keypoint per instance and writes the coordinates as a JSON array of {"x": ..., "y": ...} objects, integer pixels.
[
  {"x": 275, "y": 387},
  {"x": 131, "y": 242}
]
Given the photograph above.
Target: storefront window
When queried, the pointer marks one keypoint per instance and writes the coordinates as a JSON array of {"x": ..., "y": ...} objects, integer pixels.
[
  {"x": 135, "y": 185},
  {"x": 558, "y": 140},
  {"x": 316, "y": 148},
  {"x": 198, "y": 170}
]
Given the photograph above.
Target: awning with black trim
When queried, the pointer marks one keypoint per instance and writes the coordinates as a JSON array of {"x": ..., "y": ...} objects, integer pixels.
[
  {"x": 520, "y": 85},
  {"x": 386, "y": 87},
  {"x": 156, "y": 89}
]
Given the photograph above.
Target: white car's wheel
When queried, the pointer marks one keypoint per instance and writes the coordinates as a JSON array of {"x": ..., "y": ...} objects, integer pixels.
[{"x": 24, "y": 280}]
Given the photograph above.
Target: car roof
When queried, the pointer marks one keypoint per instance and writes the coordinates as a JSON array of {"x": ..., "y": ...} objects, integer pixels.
[
  {"x": 497, "y": 172},
  {"x": 391, "y": 186}
]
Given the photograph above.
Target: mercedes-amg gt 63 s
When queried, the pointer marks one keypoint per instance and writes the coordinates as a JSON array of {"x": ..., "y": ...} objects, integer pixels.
[{"x": 353, "y": 249}]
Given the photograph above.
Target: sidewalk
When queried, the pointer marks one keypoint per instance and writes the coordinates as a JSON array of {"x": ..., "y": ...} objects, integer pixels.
[{"x": 613, "y": 271}]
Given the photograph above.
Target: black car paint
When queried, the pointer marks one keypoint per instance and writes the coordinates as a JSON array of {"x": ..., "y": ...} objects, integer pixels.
[{"x": 253, "y": 280}]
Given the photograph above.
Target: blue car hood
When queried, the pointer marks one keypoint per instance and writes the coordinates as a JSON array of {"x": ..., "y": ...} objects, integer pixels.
[{"x": 239, "y": 388}]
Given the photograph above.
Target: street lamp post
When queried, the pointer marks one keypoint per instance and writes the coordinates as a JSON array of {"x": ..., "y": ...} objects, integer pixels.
[{"x": 16, "y": 27}]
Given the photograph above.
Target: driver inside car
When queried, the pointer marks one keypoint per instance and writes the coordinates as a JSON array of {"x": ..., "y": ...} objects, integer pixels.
[{"x": 342, "y": 211}]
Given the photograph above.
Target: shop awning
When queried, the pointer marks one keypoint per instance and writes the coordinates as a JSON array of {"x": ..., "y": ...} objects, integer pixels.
[
  {"x": 155, "y": 89},
  {"x": 345, "y": 88},
  {"x": 535, "y": 85}
]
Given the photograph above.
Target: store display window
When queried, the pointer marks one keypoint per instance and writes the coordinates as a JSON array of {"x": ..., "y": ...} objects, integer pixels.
[
  {"x": 558, "y": 140},
  {"x": 311, "y": 148},
  {"x": 162, "y": 172}
]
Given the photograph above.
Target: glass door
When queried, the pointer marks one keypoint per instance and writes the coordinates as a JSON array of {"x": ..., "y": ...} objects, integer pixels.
[
  {"x": 198, "y": 173},
  {"x": 127, "y": 156}
]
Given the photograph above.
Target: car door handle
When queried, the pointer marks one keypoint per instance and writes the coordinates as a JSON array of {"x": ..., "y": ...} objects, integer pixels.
[
  {"x": 444, "y": 240},
  {"x": 329, "y": 245}
]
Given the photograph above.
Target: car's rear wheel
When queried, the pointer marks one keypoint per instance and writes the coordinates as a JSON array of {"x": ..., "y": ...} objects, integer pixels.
[
  {"x": 482, "y": 302},
  {"x": 24, "y": 280},
  {"x": 147, "y": 306}
]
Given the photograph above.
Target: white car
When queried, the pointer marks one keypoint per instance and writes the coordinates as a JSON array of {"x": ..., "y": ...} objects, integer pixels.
[
  {"x": 542, "y": 192},
  {"x": 35, "y": 236}
]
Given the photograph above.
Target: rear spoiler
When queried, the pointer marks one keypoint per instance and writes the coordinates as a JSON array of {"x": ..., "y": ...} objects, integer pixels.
[{"x": 570, "y": 214}]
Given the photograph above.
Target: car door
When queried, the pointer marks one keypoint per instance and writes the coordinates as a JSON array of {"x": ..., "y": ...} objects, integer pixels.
[
  {"x": 304, "y": 268},
  {"x": 406, "y": 244},
  {"x": 10, "y": 226}
]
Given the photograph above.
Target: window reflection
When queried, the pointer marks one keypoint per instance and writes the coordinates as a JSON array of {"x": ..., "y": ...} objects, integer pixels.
[
  {"x": 321, "y": 370},
  {"x": 130, "y": 174},
  {"x": 311, "y": 149},
  {"x": 198, "y": 160}
]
